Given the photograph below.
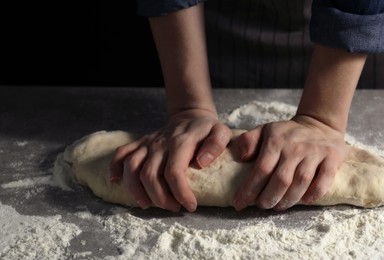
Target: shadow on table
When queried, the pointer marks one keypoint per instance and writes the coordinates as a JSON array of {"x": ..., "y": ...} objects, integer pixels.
[{"x": 61, "y": 114}]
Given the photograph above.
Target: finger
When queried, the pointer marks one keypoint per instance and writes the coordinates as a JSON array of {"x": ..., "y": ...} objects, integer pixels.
[
  {"x": 302, "y": 178},
  {"x": 175, "y": 174},
  {"x": 256, "y": 181},
  {"x": 279, "y": 183},
  {"x": 132, "y": 183},
  {"x": 213, "y": 145},
  {"x": 321, "y": 182},
  {"x": 248, "y": 143},
  {"x": 151, "y": 176},
  {"x": 116, "y": 164}
]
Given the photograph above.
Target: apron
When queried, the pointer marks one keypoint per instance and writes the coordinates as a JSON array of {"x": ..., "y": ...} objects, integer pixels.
[{"x": 265, "y": 44}]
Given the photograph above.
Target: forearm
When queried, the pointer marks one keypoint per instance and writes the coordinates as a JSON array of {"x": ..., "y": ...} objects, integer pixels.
[
  {"x": 332, "y": 79},
  {"x": 180, "y": 42}
]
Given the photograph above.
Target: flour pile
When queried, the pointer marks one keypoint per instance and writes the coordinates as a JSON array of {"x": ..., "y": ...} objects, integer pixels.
[
  {"x": 330, "y": 232},
  {"x": 346, "y": 234},
  {"x": 33, "y": 237}
]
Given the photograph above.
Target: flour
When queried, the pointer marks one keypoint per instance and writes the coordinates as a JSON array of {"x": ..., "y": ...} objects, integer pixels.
[
  {"x": 256, "y": 113},
  {"x": 21, "y": 143},
  {"x": 347, "y": 234},
  {"x": 34, "y": 237},
  {"x": 29, "y": 182},
  {"x": 329, "y": 233}
]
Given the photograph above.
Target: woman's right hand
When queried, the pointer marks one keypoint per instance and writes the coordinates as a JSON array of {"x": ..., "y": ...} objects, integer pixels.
[{"x": 153, "y": 168}]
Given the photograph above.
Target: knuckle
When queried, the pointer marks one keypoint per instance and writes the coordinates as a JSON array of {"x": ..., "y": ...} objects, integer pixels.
[
  {"x": 246, "y": 137},
  {"x": 158, "y": 141},
  {"x": 274, "y": 141},
  {"x": 226, "y": 130},
  {"x": 131, "y": 163},
  {"x": 333, "y": 154},
  {"x": 214, "y": 145},
  {"x": 262, "y": 169},
  {"x": 299, "y": 149},
  {"x": 172, "y": 174},
  {"x": 303, "y": 177},
  {"x": 178, "y": 140},
  {"x": 312, "y": 148},
  {"x": 120, "y": 150},
  {"x": 146, "y": 176},
  {"x": 224, "y": 133},
  {"x": 145, "y": 138},
  {"x": 283, "y": 179},
  {"x": 328, "y": 149}
]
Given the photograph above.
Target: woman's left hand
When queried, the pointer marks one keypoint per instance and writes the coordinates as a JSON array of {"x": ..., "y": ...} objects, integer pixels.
[{"x": 295, "y": 160}]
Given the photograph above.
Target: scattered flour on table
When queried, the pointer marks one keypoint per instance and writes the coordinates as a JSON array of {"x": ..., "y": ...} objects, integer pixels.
[
  {"x": 256, "y": 113},
  {"x": 334, "y": 233},
  {"x": 29, "y": 182},
  {"x": 34, "y": 237},
  {"x": 346, "y": 234}
]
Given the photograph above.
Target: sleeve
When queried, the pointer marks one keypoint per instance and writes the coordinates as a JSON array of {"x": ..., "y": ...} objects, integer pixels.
[
  {"x": 150, "y": 8},
  {"x": 353, "y": 25}
]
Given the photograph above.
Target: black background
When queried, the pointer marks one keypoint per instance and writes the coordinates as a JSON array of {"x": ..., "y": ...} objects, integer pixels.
[{"x": 64, "y": 43}]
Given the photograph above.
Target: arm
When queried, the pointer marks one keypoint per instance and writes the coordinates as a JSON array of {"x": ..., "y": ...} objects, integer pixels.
[
  {"x": 331, "y": 82},
  {"x": 297, "y": 159},
  {"x": 180, "y": 41},
  {"x": 153, "y": 168}
]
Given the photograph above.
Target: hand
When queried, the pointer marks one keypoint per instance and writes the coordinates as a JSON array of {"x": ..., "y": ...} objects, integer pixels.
[
  {"x": 153, "y": 168},
  {"x": 296, "y": 161}
]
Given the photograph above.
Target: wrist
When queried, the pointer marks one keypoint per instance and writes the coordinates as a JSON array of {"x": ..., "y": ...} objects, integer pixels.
[
  {"x": 316, "y": 123},
  {"x": 189, "y": 98},
  {"x": 331, "y": 82},
  {"x": 193, "y": 112},
  {"x": 336, "y": 121}
]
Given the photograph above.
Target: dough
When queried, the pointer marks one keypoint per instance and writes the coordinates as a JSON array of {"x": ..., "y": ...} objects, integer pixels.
[{"x": 359, "y": 181}]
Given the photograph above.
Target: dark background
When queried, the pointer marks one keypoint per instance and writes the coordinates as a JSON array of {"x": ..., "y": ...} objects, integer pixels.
[
  {"x": 64, "y": 43},
  {"x": 90, "y": 43}
]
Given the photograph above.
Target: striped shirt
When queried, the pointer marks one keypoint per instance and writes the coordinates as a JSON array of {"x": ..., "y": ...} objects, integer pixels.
[{"x": 268, "y": 43}]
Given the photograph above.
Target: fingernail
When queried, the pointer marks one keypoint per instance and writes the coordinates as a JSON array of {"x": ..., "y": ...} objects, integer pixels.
[
  {"x": 239, "y": 204},
  {"x": 280, "y": 208},
  {"x": 176, "y": 209},
  {"x": 205, "y": 159},
  {"x": 191, "y": 207},
  {"x": 144, "y": 204},
  {"x": 307, "y": 201},
  {"x": 114, "y": 179}
]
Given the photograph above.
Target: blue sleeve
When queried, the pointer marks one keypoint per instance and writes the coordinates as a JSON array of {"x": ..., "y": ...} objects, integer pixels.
[
  {"x": 150, "y": 8},
  {"x": 353, "y": 25}
]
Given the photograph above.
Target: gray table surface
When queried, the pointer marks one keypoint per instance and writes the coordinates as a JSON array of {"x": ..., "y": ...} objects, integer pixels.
[{"x": 36, "y": 123}]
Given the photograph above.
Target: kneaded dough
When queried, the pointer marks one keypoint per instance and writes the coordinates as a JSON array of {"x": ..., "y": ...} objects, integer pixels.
[{"x": 359, "y": 181}]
